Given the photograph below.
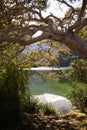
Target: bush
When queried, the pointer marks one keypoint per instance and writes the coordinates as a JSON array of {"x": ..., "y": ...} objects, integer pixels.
[
  {"x": 12, "y": 89},
  {"x": 79, "y": 91},
  {"x": 79, "y": 70},
  {"x": 48, "y": 109},
  {"x": 31, "y": 104},
  {"x": 79, "y": 96}
]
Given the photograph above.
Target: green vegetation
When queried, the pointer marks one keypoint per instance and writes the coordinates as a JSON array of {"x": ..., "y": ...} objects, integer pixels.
[
  {"x": 42, "y": 57},
  {"x": 16, "y": 28},
  {"x": 79, "y": 96},
  {"x": 79, "y": 70},
  {"x": 12, "y": 87},
  {"x": 33, "y": 105},
  {"x": 79, "y": 91},
  {"x": 15, "y": 97},
  {"x": 83, "y": 32},
  {"x": 48, "y": 109}
]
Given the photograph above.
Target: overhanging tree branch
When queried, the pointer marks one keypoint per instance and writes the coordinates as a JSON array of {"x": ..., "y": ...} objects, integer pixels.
[{"x": 20, "y": 21}]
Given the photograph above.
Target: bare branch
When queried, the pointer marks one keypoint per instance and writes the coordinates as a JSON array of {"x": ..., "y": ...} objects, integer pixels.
[
  {"x": 79, "y": 21},
  {"x": 21, "y": 41},
  {"x": 67, "y": 4}
]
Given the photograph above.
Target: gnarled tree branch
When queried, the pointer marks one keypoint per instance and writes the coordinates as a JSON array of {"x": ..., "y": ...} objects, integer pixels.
[{"x": 20, "y": 21}]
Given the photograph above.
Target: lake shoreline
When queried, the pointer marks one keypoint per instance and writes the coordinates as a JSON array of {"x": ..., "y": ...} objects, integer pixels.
[{"x": 47, "y": 68}]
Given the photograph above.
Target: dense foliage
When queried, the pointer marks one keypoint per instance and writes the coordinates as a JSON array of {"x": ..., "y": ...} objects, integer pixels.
[
  {"x": 36, "y": 58},
  {"x": 79, "y": 96},
  {"x": 79, "y": 70},
  {"x": 79, "y": 91},
  {"x": 12, "y": 87}
]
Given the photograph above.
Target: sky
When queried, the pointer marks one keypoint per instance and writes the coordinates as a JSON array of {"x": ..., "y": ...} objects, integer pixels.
[
  {"x": 55, "y": 9},
  {"x": 59, "y": 9}
]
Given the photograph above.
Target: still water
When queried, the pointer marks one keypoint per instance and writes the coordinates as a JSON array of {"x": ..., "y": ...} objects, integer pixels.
[{"x": 48, "y": 81}]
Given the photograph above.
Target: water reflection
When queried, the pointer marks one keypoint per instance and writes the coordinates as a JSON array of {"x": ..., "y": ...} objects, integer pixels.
[{"x": 48, "y": 81}]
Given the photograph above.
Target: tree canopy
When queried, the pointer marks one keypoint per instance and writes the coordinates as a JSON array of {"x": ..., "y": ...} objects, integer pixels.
[{"x": 20, "y": 20}]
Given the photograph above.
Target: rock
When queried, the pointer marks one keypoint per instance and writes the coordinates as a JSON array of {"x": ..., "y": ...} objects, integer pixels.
[{"x": 62, "y": 104}]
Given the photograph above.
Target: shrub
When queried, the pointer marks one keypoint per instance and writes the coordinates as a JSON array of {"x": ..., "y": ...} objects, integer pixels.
[
  {"x": 79, "y": 70},
  {"x": 48, "y": 109},
  {"x": 79, "y": 96},
  {"x": 12, "y": 89},
  {"x": 79, "y": 91},
  {"x": 31, "y": 104}
]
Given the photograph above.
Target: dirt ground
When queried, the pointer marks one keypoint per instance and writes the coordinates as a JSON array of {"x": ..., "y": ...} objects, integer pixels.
[
  {"x": 70, "y": 121},
  {"x": 66, "y": 122}
]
